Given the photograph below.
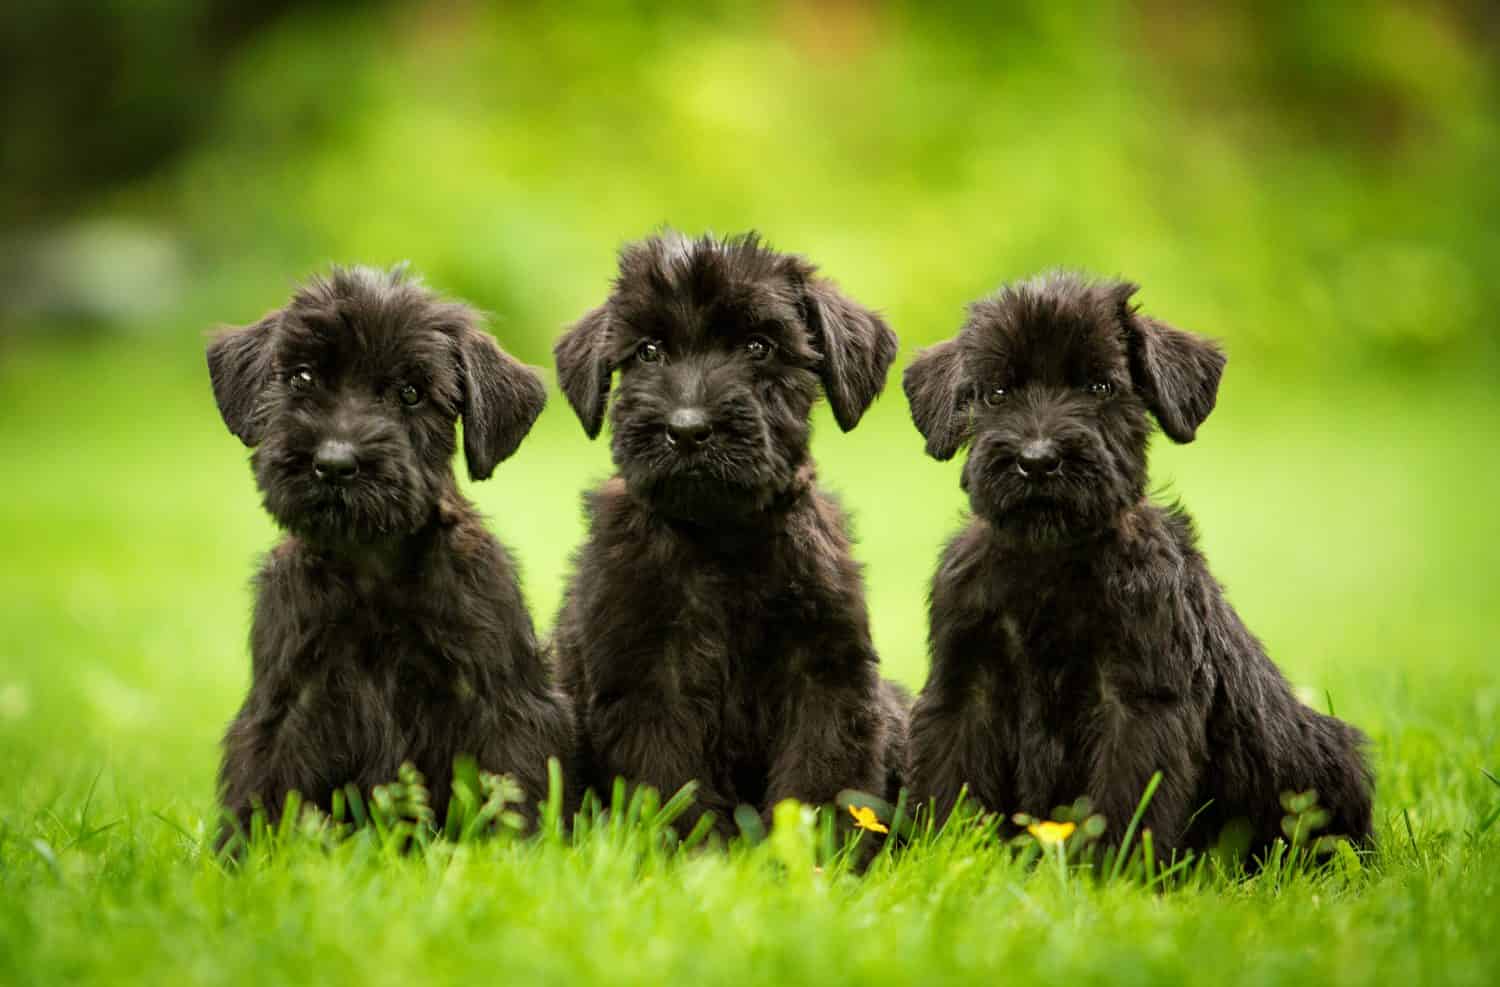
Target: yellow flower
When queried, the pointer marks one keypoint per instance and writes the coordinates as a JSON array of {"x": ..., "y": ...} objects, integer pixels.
[
  {"x": 864, "y": 818},
  {"x": 1051, "y": 833}
]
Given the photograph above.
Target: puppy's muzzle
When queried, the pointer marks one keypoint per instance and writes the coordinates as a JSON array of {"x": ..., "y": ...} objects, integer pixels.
[
  {"x": 688, "y": 429},
  {"x": 336, "y": 461},
  {"x": 1039, "y": 457}
]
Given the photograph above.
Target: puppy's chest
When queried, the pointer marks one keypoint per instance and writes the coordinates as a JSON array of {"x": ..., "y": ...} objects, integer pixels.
[
  {"x": 1054, "y": 619},
  {"x": 1051, "y": 664},
  {"x": 698, "y": 607},
  {"x": 733, "y": 642},
  {"x": 388, "y": 649}
]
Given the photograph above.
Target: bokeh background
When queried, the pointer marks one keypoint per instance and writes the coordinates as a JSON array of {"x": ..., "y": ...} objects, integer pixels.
[{"x": 1314, "y": 184}]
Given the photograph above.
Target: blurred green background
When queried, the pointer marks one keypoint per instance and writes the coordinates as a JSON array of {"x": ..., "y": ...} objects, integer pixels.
[{"x": 1314, "y": 184}]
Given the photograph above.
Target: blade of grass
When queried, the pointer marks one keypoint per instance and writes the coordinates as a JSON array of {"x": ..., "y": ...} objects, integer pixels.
[
  {"x": 617, "y": 808},
  {"x": 83, "y": 838},
  {"x": 675, "y": 806},
  {"x": 289, "y": 812},
  {"x": 178, "y": 828},
  {"x": 1135, "y": 820},
  {"x": 552, "y": 811},
  {"x": 356, "y": 805},
  {"x": 955, "y": 815},
  {"x": 88, "y": 803},
  {"x": 700, "y": 831},
  {"x": 1180, "y": 865},
  {"x": 1410, "y": 834},
  {"x": 752, "y": 827},
  {"x": 586, "y": 819}
]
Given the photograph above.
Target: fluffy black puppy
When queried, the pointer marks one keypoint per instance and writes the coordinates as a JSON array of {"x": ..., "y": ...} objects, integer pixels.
[
  {"x": 1079, "y": 643},
  {"x": 388, "y": 624},
  {"x": 715, "y": 626}
]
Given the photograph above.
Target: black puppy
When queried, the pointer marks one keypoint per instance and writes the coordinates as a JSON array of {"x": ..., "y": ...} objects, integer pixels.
[
  {"x": 388, "y": 625},
  {"x": 1079, "y": 643},
  {"x": 715, "y": 626}
]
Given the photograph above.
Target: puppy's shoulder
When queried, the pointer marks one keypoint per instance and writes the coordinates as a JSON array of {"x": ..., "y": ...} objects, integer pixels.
[
  {"x": 611, "y": 512},
  {"x": 1156, "y": 554},
  {"x": 968, "y": 559},
  {"x": 823, "y": 511},
  {"x": 467, "y": 544},
  {"x": 1159, "y": 532},
  {"x": 283, "y": 567},
  {"x": 609, "y": 496}
]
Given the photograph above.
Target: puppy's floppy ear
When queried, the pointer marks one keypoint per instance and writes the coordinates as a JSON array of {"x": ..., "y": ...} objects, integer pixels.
[
  {"x": 857, "y": 347},
  {"x": 939, "y": 398},
  {"x": 502, "y": 398},
  {"x": 239, "y": 365},
  {"x": 1176, "y": 372},
  {"x": 583, "y": 371}
]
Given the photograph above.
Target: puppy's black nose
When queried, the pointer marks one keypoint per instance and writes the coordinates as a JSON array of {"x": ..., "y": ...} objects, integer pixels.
[
  {"x": 1039, "y": 457},
  {"x": 688, "y": 428},
  {"x": 335, "y": 462}
]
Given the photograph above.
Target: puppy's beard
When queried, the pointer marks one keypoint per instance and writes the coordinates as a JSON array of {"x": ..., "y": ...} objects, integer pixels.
[
  {"x": 1041, "y": 511},
  {"x": 389, "y": 503},
  {"x": 347, "y": 516},
  {"x": 699, "y": 497},
  {"x": 1041, "y": 523},
  {"x": 728, "y": 482}
]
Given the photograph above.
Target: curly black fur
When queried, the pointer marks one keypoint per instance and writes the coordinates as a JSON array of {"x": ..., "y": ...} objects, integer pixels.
[
  {"x": 715, "y": 626},
  {"x": 1079, "y": 643},
  {"x": 389, "y": 625}
]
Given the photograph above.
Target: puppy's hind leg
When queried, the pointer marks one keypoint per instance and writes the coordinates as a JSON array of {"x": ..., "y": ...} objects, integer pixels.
[
  {"x": 1340, "y": 774},
  {"x": 1282, "y": 747}
]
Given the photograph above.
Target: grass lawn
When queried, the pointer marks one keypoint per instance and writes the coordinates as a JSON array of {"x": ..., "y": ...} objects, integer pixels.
[{"x": 1353, "y": 523}]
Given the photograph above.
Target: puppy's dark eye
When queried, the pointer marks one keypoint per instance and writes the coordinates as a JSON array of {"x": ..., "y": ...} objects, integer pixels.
[
  {"x": 759, "y": 347},
  {"x": 994, "y": 396},
  {"x": 409, "y": 395},
  {"x": 1101, "y": 388},
  {"x": 301, "y": 379},
  {"x": 649, "y": 351}
]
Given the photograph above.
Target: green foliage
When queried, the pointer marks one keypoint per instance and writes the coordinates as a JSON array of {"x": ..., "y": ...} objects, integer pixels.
[
  {"x": 1311, "y": 183},
  {"x": 1347, "y": 521}
]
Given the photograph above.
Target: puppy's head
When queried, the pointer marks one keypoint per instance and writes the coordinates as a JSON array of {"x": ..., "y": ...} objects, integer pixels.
[
  {"x": 349, "y": 396},
  {"x": 1053, "y": 383},
  {"x": 720, "y": 347}
]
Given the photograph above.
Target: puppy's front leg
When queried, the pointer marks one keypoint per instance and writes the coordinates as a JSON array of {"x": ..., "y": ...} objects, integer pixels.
[
  {"x": 1136, "y": 739},
  {"x": 650, "y": 737},
  {"x": 832, "y": 737},
  {"x": 953, "y": 747},
  {"x": 961, "y": 725},
  {"x": 261, "y": 766}
]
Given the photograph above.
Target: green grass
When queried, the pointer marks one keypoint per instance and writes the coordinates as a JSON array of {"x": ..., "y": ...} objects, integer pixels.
[{"x": 1352, "y": 522}]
